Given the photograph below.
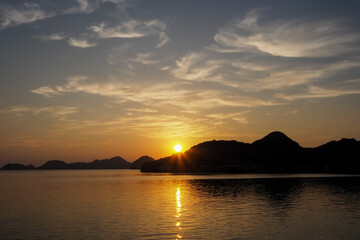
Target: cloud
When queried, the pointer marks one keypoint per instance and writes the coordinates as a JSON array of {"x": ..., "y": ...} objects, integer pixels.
[
  {"x": 115, "y": 1},
  {"x": 54, "y": 111},
  {"x": 165, "y": 110},
  {"x": 142, "y": 110},
  {"x": 252, "y": 73},
  {"x": 255, "y": 67},
  {"x": 293, "y": 38},
  {"x": 157, "y": 124},
  {"x": 163, "y": 39},
  {"x": 184, "y": 65},
  {"x": 130, "y": 29},
  {"x": 204, "y": 66},
  {"x": 151, "y": 126},
  {"x": 85, "y": 6},
  {"x": 81, "y": 6},
  {"x": 196, "y": 66},
  {"x": 277, "y": 79},
  {"x": 162, "y": 95},
  {"x": 25, "y": 13},
  {"x": 46, "y": 91},
  {"x": 13, "y": 15},
  {"x": 81, "y": 42},
  {"x": 52, "y": 37},
  {"x": 318, "y": 92},
  {"x": 239, "y": 117},
  {"x": 144, "y": 58}
]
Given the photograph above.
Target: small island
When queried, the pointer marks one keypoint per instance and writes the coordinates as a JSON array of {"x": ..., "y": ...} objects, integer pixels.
[{"x": 112, "y": 163}]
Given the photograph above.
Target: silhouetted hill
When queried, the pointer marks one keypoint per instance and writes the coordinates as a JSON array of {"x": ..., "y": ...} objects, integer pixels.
[
  {"x": 17, "y": 166},
  {"x": 339, "y": 156},
  {"x": 140, "y": 161},
  {"x": 54, "y": 164},
  {"x": 112, "y": 163},
  {"x": 275, "y": 153},
  {"x": 276, "y": 141}
]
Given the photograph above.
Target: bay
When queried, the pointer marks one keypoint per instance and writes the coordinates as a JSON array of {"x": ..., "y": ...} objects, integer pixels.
[{"x": 128, "y": 204}]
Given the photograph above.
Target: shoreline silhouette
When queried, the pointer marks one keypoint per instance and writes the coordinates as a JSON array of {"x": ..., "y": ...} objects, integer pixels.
[
  {"x": 112, "y": 163},
  {"x": 274, "y": 153}
]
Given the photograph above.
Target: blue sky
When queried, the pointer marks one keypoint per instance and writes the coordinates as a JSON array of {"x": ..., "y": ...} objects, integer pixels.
[{"x": 85, "y": 79}]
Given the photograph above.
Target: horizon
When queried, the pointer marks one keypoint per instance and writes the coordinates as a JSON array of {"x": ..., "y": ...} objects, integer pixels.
[
  {"x": 175, "y": 152},
  {"x": 84, "y": 79}
]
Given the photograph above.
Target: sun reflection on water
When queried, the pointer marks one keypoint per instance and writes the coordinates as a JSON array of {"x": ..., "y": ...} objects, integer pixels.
[{"x": 178, "y": 213}]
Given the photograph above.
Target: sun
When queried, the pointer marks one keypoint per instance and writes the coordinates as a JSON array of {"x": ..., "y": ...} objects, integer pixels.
[{"x": 177, "y": 148}]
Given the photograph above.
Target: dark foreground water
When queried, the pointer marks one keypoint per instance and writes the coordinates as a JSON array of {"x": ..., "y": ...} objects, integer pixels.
[{"x": 127, "y": 204}]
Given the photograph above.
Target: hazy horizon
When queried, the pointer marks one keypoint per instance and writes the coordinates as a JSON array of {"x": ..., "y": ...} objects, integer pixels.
[{"x": 84, "y": 80}]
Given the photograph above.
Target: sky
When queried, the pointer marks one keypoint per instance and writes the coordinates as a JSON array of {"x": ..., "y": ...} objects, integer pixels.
[{"x": 83, "y": 80}]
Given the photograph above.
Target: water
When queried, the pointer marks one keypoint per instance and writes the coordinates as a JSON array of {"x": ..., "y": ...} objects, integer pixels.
[{"x": 128, "y": 204}]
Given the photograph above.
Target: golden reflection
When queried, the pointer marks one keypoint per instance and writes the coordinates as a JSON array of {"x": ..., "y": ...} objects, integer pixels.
[{"x": 178, "y": 212}]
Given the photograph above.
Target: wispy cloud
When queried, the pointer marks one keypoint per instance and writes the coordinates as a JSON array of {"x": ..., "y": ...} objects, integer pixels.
[
  {"x": 144, "y": 58},
  {"x": 46, "y": 91},
  {"x": 253, "y": 73},
  {"x": 84, "y": 6},
  {"x": 163, "y": 39},
  {"x": 318, "y": 92},
  {"x": 142, "y": 110},
  {"x": 280, "y": 78},
  {"x": 294, "y": 38},
  {"x": 115, "y": 1},
  {"x": 52, "y": 37},
  {"x": 81, "y": 42},
  {"x": 25, "y": 13},
  {"x": 161, "y": 95},
  {"x": 130, "y": 29},
  {"x": 54, "y": 111},
  {"x": 197, "y": 66},
  {"x": 239, "y": 117},
  {"x": 246, "y": 53},
  {"x": 151, "y": 126},
  {"x": 13, "y": 15},
  {"x": 133, "y": 29}
]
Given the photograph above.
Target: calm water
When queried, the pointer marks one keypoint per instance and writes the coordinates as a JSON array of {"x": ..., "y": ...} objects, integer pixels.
[{"x": 127, "y": 204}]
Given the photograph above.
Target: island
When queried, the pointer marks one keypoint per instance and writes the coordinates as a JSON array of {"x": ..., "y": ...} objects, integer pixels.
[
  {"x": 275, "y": 153},
  {"x": 112, "y": 163}
]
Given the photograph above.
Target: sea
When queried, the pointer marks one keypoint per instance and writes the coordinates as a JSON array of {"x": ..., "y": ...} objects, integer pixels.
[{"x": 128, "y": 204}]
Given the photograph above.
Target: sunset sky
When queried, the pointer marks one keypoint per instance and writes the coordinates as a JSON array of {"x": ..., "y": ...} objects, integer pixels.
[{"x": 82, "y": 79}]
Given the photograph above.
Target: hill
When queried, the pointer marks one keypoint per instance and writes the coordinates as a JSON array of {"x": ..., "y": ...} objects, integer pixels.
[
  {"x": 17, "y": 166},
  {"x": 275, "y": 153},
  {"x": 112, "y": 163},
  {"x": 140, "y": 161}
]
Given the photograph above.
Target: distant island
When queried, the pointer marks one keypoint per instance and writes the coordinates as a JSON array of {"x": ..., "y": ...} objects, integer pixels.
[
  {"x": 112, "y": 163},
  {"x": 275, "y": 153}
]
